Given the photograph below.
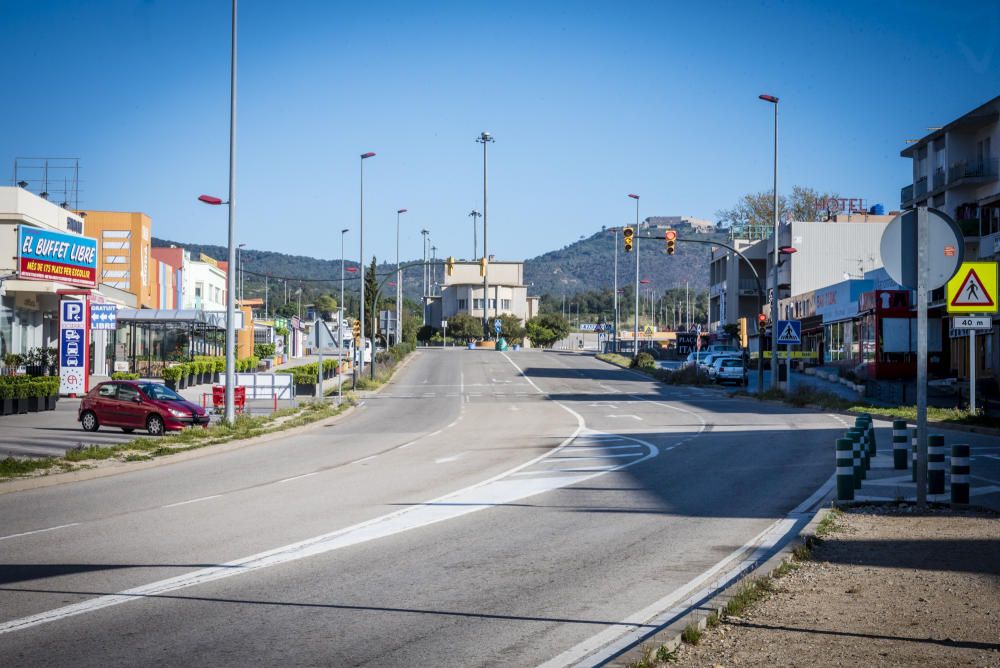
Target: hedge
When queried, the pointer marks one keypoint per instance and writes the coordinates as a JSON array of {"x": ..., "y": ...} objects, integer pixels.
[{"x": 22, "y": 387}]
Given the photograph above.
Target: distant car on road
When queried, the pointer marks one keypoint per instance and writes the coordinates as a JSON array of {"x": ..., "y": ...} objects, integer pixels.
[
  {"x": 131, "y": 405},
  {"x": 709, "y": 359},
  {"x": 729, "y": 370}
]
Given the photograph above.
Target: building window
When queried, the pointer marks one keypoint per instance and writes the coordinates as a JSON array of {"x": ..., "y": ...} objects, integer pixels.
[
  {"x": 477, "y": 303},
  {"x": 505, "y": 304},
  {"x": 461, "y": 304}
]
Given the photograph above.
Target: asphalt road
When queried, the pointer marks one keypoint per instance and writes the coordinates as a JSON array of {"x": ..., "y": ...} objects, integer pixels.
[{"x": 469, "y": 514}]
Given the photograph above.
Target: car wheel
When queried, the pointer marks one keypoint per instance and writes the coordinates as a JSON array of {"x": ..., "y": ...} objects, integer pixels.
[
  {"x": 128, "y": 430},
  {"x": 154, "y": 425},
  {"x": 89, "y": 421}
]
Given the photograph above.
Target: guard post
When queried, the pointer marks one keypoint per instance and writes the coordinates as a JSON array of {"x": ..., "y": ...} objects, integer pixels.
[
  {"x": 856, "y": 460},
  {"x": 961, "y": 471},
  {"x": 845, "y": 470},
  {"x": 935, "y": 464},
  {"x": 900, "y": 444}
]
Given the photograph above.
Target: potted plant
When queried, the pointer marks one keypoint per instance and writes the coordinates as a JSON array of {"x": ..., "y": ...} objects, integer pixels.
[
  {"x": 6, "y": 397},
  {"x": 191, "y": 370},
  {"x": 36, "y": 395},
  {"x": 53, "y": 395},
  {"x": 172, "y": 376},
  {"x": 11, "y": 362},
  {"x": 220, "y": 369},
  {"x": 20, "y": 387}
]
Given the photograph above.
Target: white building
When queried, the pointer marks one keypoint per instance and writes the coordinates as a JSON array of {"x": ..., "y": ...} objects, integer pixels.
[
  {"x": 955, "y": 169},
  {"x": 462, "y": 292},
  {"x": 29, "y": 309},
  {"x": 204, "y": 284}
]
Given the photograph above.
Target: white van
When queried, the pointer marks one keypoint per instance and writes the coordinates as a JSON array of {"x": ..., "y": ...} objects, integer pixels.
[{"x": 368, "y": 352}]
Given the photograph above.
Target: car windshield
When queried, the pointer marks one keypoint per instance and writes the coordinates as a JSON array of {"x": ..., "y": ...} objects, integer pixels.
[{"x": 160, "y": 392}]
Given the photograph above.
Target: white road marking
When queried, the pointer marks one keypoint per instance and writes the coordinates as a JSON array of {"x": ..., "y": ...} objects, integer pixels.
[
  {"x": 577, "y": 448},
  {"x": 298, "y": 477},
  {"x": 445, "y": 460},
  {"x": 635, "y": 417},
  {"x": 30, "y": 533},
  {"x": 608, "y": 389},
  {"x": 619, "y": 456},
  {"x": 364, "y": 459},
  {"x": 198, "y": 500}
]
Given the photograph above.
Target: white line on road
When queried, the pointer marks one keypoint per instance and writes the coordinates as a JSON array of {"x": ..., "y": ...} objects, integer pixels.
[
  {"x": 198, "y": 500},
  {"x": 445, "y": 460},
  {"x": 29, "y": 533},
  {"x": 619, "y": 456},
  {"x": 364, "y": 459},
  {"x": 635, "y": 417},
  {"x": 609, "y": 389},
  {"x": 576, "y": 448},
  {"x": 298, "y": 477}
]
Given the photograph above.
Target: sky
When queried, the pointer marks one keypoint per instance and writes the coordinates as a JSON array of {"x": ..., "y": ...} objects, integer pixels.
[{"x": 587, "y": 101}]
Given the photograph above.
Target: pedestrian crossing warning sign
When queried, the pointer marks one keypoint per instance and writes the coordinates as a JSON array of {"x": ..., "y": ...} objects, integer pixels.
[{"x": 973, "y": 288}]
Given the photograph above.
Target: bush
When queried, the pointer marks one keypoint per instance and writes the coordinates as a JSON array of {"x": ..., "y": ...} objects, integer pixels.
[
  {"x": 173, "y": 373},
  {"x": 263, "y": 350},
  {"x": 643, "y": 361},
  {"x": 123, "y": 375}
]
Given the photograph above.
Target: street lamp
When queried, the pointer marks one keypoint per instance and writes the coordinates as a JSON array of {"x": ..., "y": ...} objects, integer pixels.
[
  {"x": 646, "y": 282},
  {"x": 423, "y": 298},
  {"x": 774, "y": 277},
  {"x": 635, "y": 331},
  {"x": 239, "y": 263},
  {"x": 340, "y": 323},
  {"x": 614, "y": 236},
  {"x": 361, "y": 260},
  {"x": 475, "y": 240},
  {"x": 485, "y": 138},
  {"x": 399, "y": 282}
]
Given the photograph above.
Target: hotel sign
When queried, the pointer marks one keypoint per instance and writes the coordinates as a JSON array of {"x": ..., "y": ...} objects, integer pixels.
[{"x": 55, "y": 256}]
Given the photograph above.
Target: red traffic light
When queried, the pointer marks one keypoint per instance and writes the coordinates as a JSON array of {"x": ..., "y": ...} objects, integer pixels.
[
  {"x": 761, "y": 318},
  {"x": 670, "y": 235}
]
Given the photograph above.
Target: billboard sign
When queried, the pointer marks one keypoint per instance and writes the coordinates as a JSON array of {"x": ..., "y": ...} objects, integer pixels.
[
  {"x": 103, "y": 316},
  {"x": 54, "y": 256}
]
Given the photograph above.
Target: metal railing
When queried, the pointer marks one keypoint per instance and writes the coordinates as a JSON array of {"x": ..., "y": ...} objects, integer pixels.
[
  {"x": 906, "y": 195},
  {"x": 920, "y": 187},
  {"x": 972, "y": 169}
]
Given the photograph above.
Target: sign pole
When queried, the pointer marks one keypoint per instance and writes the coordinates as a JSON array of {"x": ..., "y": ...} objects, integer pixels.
[
  {"x": 788, "y": 369},
  {"x": 972, "y": 371},
  {"x": 922, "y": 231}
]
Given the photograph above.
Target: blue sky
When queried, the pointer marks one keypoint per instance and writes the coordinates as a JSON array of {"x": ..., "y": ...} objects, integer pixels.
[{"x": 588, "y": 102}]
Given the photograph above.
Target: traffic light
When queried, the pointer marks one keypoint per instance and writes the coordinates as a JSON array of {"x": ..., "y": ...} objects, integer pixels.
[
  {"x": 482, "y": 266},
  {"x": 356, "y": 330},
  {"x": 761, "y": 320},
  {"x": 744, "y": 334},
  {"x": 671, "y": 237},
  {"x": 627, "y": 233},
  {"x": 450, "y": 266}
]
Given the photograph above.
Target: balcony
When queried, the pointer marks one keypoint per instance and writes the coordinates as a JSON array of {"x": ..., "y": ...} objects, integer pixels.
[
  {"x": 969, "y": 227},
  {"x": 748, "y": 286},
  {"x": 906, "y": 196},
  {"x": 940, "y": 179},
  {"x": 920, "y": 187},
  {"x": 972, "y": 171}
]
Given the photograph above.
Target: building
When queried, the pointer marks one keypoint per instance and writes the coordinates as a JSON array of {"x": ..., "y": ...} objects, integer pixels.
[
  {"x": 123, "y": 253},
  {"x": 955, "y": 170},
  {"x": 197, "y": 282},
  {"x": 656, "y": 223},
  {"x": 29, "y": 305},
  {"x": 462, "y": 292}
]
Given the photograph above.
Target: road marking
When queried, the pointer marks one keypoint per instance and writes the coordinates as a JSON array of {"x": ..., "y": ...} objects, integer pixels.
[
  {"x": 566, "y": 459},
  {"x": 576, "y": 448},
  {"x": 636, "y": 417},
  {"x": 297, "y": 477},
  {"x": 445, "y": 460},
  {"x": 608, "y": 389},
  {"x": 198, "y": 500},
  {"x": 364, "y": 459},
  {"x": 30, "y": 533}
]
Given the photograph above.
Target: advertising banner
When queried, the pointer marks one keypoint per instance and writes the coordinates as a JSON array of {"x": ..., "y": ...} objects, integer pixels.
[
  {"x": 103, "y": 316},
  {"x": 55, "y": 256},
  {"x": 74, "y": 347}
]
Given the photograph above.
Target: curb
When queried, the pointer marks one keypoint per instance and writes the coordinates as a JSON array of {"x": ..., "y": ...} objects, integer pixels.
[{"x": 670, "y": 637}]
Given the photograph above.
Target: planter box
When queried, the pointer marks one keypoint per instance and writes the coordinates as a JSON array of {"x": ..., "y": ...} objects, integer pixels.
[
  {"x": 305, "y": 389},
  {"x": 192, "y": 380},
  {"x": 35, "y": 404},
  {"x": 20, "y": 406},
  {"x": 6, "y": 406},
  {"x": 50, "y": 402},
  {"x": 172, "y": 384}
]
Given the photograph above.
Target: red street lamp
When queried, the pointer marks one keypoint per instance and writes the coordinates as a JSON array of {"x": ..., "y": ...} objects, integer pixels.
[
  {"x": 351, "y": 270},
  {"x": 208, "y": 199}
]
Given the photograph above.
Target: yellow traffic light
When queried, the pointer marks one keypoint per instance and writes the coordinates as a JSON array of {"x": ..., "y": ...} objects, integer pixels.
[
  {"x": 744, "y": 334},
  {"x": 482, "y": 266},
  {"x": 627, "y": 233},
  {"x": 450, "y": 266},
  {"x": 671, "y": 237},
  {"x": 356, "y": 330}
]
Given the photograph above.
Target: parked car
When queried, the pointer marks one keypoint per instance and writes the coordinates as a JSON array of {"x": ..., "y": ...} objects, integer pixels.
[
  {"x": 729, "y": 370},
  {"x": 695, "y": 358},
  {"x": 131, "y": 405},
  {"x": 709, "y": 359}
]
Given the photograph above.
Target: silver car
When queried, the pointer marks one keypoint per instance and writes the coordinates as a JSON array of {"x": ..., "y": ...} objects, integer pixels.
[{"x": 729, "y": 370}]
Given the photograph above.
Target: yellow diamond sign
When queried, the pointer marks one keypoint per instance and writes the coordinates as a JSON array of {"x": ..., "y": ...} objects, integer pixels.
[{"x": 973, "y": 288}]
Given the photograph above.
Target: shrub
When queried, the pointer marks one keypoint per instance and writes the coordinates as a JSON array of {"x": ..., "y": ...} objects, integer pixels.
[
  {"x": 263, "y": 350},
  {"x": 124, "y": 375},
  {"x": 643, "y": 361},
  {"x": 173, "y": 373}
]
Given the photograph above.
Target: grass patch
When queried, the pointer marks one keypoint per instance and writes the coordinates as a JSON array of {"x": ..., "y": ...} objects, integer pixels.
[
  {"x": 784, "y": 568},
  {"x": 651, "y": 658},
  {"x": 691, "y": 634},
  {"x": 616, "y": 359},
  {"x": 712, "y": 620},
  {"x": 12, "y": 468},
  {"x": 829, "y": 523}
]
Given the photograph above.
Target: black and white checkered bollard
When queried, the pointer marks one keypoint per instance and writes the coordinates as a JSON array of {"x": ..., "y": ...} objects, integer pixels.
[
  {"x": 845, "y": 469},
  {"x": 913, "y": 454},
  {"x": 900, "y": 444},
  {"x": 872, "y": 445},
  {"x": 862, "y": 427},
  {"x": 858, "y": 462},
  {"x": 961, "y": 471},
  {"x": 935, "y": 464}
]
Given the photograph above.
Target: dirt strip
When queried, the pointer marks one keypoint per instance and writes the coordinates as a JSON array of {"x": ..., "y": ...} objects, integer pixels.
[{"x": 888, "y": 587}]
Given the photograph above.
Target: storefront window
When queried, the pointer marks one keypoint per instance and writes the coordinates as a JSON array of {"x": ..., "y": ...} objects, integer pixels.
[{"x": 6, "y": 325}]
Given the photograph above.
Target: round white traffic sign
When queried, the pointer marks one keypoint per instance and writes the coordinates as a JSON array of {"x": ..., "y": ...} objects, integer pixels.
[{"x": 945, "y": 249}]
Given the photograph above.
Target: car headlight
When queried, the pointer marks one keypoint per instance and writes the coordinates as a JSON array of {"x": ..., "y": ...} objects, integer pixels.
[{"x": 180, "y": 414}]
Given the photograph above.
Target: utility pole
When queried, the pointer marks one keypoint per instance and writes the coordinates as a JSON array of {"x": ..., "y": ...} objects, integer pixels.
[{"x": 485, "y": 138}]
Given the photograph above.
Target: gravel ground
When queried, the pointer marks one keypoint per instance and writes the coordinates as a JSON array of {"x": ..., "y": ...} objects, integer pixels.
[{"x": 889, "y": 587}]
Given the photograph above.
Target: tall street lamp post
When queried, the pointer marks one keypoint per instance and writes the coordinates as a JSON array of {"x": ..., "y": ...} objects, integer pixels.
[
  {"x": 361, "y": 260},
  {"x": 340, "y": 323},
  {"x": 230, "y": 409},
  {"x": 475, "y": 239},
  {"x": 423, "y": 298},
  {"x": 485, "y": 138},
  {"x": 239, "y": 264},
  {"x": 614, "y": 236},
  {"x": 399, "y": 282},
  {"x": 635, "y": 329},
  {"x": 774, "y": 276}
]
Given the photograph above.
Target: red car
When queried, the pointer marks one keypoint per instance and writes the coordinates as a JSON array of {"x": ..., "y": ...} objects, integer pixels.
[{"x": 134, "y": 405}]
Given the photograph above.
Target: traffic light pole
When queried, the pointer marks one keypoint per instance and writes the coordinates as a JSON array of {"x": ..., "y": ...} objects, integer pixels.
[{"x": 760, "y": 300}]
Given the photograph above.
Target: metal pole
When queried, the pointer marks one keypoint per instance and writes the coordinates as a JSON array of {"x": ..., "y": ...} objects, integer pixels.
[
  {"x": 614, "y": 236},
  {"x": 922, "y": 229},
  {"x": 230, "y": 275},
  {"x": 340, "y": 325},
  {"x": 635, "y": 328},
  {"x": 774, "y": 277},
  {"x": 399, "y": 285},
  {"x": 972, "y": 371},
  {"x": 361, "y": 268},
  {"x": 484, "y": 139}
]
